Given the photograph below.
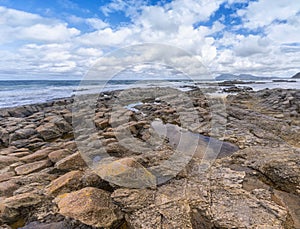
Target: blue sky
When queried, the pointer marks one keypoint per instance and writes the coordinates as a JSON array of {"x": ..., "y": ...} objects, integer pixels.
[{"x": 63, "y": 38}]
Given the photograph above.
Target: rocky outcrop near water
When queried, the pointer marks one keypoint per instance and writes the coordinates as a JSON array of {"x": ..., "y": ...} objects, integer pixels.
[
  {"x": 296, "y": 76},
  {"x": 153, "y": 159}
]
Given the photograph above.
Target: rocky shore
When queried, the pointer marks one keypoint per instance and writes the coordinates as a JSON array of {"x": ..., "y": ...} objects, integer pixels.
[{"x": 46, "y": 181}]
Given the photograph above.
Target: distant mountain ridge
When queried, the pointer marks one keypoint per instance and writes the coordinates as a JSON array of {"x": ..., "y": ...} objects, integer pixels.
[
  {"x": 296, "y": 76},
  {"x": 243, "y": 77}
]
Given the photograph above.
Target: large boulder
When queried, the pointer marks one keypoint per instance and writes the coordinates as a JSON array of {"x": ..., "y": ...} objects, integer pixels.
[{"x": 91, "y": 206}]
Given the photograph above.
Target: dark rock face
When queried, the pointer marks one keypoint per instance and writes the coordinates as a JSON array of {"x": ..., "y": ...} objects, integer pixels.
[
  {"x": 296, "y": 76},
  {"x": 46, "y": 181}
]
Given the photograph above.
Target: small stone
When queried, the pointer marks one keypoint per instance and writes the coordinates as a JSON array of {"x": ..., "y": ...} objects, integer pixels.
[
  {"x": 32, "y": 167},
  {"x": 91, "y": 206}
]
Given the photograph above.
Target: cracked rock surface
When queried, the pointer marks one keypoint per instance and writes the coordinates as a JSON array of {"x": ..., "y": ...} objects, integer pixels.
[{"x": 236, "y": 163}]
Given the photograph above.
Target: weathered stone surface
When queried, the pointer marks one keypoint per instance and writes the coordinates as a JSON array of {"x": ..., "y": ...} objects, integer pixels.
[
  {"x": 126, "y": 172},
  {"x": 49, "y": 131},
  {"x": 20, "y": 154},
  {"x": 32, "y": 167},
  {"x": 4, "y": 137},
  {"x": 203, "y": 201},
  {"x": 11, "y": 208},
  {"x": 71, "y": 162},
  {"x": 91, "y": 206},
  {"x": 6, "y": 175},
  {"x": 44, "y": 177},
  {"x": 66, "y": 183},
  {"x": 7, "y": 188},
  {"x": 257, "y": 187},
  {"x": 280, "y": 166},
  {"x": 75, "y": 180},
  {"x": 36, "y": 156},
  {"x": 22, "y": 134},
  {"x": 7, "y": 160},
  {"x": 37, "y": 225},
  {"x": 57, "y": 155}
]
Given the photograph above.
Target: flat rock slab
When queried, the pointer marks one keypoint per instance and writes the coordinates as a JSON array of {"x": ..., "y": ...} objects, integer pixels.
[
  {"x": 71, "y": 162},
  {"x": 66, "y": 183},
  {"x": 7, "y": 160},
  {"x": 58, "y": 155},
  {"x": 32, "y": 167},
  {"x": 38, "y": 155}
]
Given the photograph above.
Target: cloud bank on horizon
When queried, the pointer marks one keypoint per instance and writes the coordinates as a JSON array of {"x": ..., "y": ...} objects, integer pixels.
[{"x": 62, "y": 39}]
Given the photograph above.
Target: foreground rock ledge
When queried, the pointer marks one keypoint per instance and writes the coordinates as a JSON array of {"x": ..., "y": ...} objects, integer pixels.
[{"x": 91, "y": 206}]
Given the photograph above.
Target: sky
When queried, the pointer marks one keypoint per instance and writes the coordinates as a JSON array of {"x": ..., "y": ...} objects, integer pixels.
[{"x": 63, "y": 39}]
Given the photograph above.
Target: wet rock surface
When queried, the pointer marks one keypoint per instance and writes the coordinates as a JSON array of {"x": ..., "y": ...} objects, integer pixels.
[{"x": 213, "y": 162}]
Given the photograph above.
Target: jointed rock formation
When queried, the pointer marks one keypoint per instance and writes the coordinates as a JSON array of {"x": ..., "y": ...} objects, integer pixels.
[{"x": 46, "y": 181}]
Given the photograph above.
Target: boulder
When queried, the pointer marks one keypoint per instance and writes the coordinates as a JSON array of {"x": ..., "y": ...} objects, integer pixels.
[{"x": 91, "y": 206}]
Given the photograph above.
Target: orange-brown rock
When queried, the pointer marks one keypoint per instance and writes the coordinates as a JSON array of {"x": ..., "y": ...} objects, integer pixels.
[
  {"x": 32, "y": 167},
  {"x": 71, "y": 162},
  {"x": 91, "y": 206}
]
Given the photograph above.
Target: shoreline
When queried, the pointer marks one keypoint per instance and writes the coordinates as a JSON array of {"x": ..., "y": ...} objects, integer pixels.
[
  {"x": 231, "y": 86},
  {"x": 48, "y": 180}
]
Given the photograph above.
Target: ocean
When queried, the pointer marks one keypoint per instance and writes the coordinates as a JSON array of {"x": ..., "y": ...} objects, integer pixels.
[{"x": 20, "y": 92}]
